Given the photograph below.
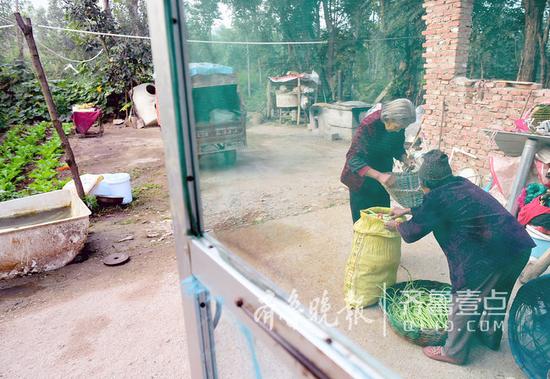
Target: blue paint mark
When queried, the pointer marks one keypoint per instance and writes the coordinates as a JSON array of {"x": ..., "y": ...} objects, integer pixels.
[
  {"x": 250, "y": 342},
  {"x": 192, "y": 286}
]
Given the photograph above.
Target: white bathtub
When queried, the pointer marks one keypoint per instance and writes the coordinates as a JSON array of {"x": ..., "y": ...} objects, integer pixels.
[{"x": 41, "y": 232}]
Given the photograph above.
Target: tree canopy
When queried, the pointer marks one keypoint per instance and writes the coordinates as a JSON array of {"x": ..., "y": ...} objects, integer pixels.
[{"x": 368, "y": 46}]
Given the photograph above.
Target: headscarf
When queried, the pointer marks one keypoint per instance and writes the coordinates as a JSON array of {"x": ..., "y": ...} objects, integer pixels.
[{"x": 435, "y": 167}]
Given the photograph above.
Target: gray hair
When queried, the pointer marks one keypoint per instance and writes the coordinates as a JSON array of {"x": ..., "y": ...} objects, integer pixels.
[{"x": 400, "y": 111}]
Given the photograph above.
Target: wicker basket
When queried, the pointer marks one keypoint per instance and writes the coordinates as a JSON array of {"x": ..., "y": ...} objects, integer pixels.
[
  {"x": 422, "y": 337},
  {"x": 406, "y": 189}
]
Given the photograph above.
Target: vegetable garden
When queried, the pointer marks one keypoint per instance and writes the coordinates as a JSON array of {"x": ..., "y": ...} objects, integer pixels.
[{"x": 31, "y": 160}]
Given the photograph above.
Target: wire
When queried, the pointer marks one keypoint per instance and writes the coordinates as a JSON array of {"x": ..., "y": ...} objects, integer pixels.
[
  {"x": 259, "y": 42},
  {"x": 298, "y": 42},
  {"x": 68, "y": 59},
  {"x": 321, "y": 42},
  {"x": 94, "y": 33},
  {"x": 6, "y": 19},
  {"x": 58, "y": 55}
]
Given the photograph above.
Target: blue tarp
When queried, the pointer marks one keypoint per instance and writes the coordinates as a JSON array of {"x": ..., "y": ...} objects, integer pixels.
[{"x": 209, "y": 69}]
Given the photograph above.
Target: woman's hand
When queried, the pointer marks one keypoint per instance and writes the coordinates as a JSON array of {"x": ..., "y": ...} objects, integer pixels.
[
  {"x": 399, "y": 212},
  {"x": 391, "y": 225},
  {"x": 409, "y": 163},
  {"x": 386, "y": 179}
]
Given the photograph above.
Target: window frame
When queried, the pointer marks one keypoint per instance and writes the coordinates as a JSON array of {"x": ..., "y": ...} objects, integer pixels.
[{"x": 207, "y": 270}]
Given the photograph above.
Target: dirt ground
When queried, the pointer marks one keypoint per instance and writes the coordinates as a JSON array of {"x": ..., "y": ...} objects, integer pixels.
[{"x": 281, "y": 208}]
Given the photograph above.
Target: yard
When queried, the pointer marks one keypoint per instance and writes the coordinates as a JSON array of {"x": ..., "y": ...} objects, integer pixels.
[
  {"x": 476, "y": 68},
  {"x": 281, "y": 208}
]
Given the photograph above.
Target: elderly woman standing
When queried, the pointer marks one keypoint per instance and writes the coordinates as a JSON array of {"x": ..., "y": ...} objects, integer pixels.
[{"x": 377, "y": 141}]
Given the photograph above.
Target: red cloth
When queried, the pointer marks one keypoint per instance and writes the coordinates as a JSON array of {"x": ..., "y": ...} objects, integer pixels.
[
  {"x": 542, "y": 230},
  {"x": 84, "y": 120},
  {"x": 521, "y": 198},
  {"x": 532, "y": 210}
]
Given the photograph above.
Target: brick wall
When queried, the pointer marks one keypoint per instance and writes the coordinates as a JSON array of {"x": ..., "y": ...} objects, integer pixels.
[{"x": 470, "y": 105}]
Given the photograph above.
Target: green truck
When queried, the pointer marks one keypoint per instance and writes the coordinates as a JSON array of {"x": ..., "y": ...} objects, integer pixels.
[{"x": 220, "y": 116}]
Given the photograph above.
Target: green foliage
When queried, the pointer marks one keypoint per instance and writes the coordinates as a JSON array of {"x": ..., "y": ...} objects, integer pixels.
[
  {"x": 496, "y": 40},
  {"x": 375, "y": 43},
  {"x": 18, "y": 149},
  {"x": 91, "y": 202},
  {"x": 29, "y": 160},
  {"x": 122, "y": 65},
  {"x": 126, "y": 63},
  {"x": 22, "y": 102},
  {"x": 371, "y": 43}
]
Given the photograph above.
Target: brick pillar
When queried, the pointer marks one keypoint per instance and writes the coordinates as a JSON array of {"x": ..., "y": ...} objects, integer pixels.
[
  {"x": 448, "y": 29},
  {"x": 447, "y": 34}
]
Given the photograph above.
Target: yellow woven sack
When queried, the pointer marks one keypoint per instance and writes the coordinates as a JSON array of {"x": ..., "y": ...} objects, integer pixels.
[{"x": 374, "y": 259}]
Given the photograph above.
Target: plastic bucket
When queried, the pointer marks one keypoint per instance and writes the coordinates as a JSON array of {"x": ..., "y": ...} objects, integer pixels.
[{"x": 115, "y": 185}]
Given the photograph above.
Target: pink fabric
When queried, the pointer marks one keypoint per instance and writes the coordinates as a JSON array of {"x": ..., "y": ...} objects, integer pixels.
[
  {"x": 363, "y": 171},
  {"x": 532, "y": 210},
  {"x": 84, "y": 120}
]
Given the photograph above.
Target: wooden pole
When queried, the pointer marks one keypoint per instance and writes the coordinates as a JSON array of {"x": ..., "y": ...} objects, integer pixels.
[
  {"x": 269, "y": 100},
  {"x": 26, "y": 28},
  {"x": 299, "y": 103},
  {"x": 339, "y": 85},
  {"x": 260, "y": 74},
  {"x": 19, "y": 37},
  {"x": 248, "y": 69}
]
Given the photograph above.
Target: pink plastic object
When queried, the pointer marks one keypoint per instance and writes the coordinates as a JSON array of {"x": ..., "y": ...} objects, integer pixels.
[
  {"x": 84, "y": 120},
  {"x": 521, "y": 125}
]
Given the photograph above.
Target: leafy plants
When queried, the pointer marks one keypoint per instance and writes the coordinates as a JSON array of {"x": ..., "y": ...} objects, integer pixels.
[
  {"x": 22, "y": 102},
  {"x": 29, "y": 159}
]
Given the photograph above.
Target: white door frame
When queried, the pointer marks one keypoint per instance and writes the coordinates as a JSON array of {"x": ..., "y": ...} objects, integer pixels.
[{"x": 205, "y": 266}]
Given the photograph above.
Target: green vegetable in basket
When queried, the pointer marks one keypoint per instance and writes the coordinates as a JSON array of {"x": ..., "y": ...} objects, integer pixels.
[{"x": 419, "y": 307}]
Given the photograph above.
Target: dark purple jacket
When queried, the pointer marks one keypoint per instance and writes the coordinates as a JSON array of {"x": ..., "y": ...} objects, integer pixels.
[{"x": 471, "y": 227}]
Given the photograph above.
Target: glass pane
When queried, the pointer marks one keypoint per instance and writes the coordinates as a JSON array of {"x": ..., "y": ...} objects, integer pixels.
[
  {"x": 240, "y": 354},
  {"x": 310, "y": 113}
]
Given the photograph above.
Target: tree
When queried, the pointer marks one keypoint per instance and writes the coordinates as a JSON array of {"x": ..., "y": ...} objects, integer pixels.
[
  {"x": 534, "y": 10},
  {"x": 126, "y": 62},
  {"x": 542, "y": 43},
  {"x": 496, "y": 39},
  {"x": 107, "y": 8}
]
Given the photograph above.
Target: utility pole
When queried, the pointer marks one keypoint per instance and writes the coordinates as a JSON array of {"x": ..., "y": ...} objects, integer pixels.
[
  {"x": 248, "y": 68},
  {"x": 26, "y": 28}
]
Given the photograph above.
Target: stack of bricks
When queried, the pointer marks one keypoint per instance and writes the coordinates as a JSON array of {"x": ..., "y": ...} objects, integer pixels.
[{"x": 470, "y": 105}]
